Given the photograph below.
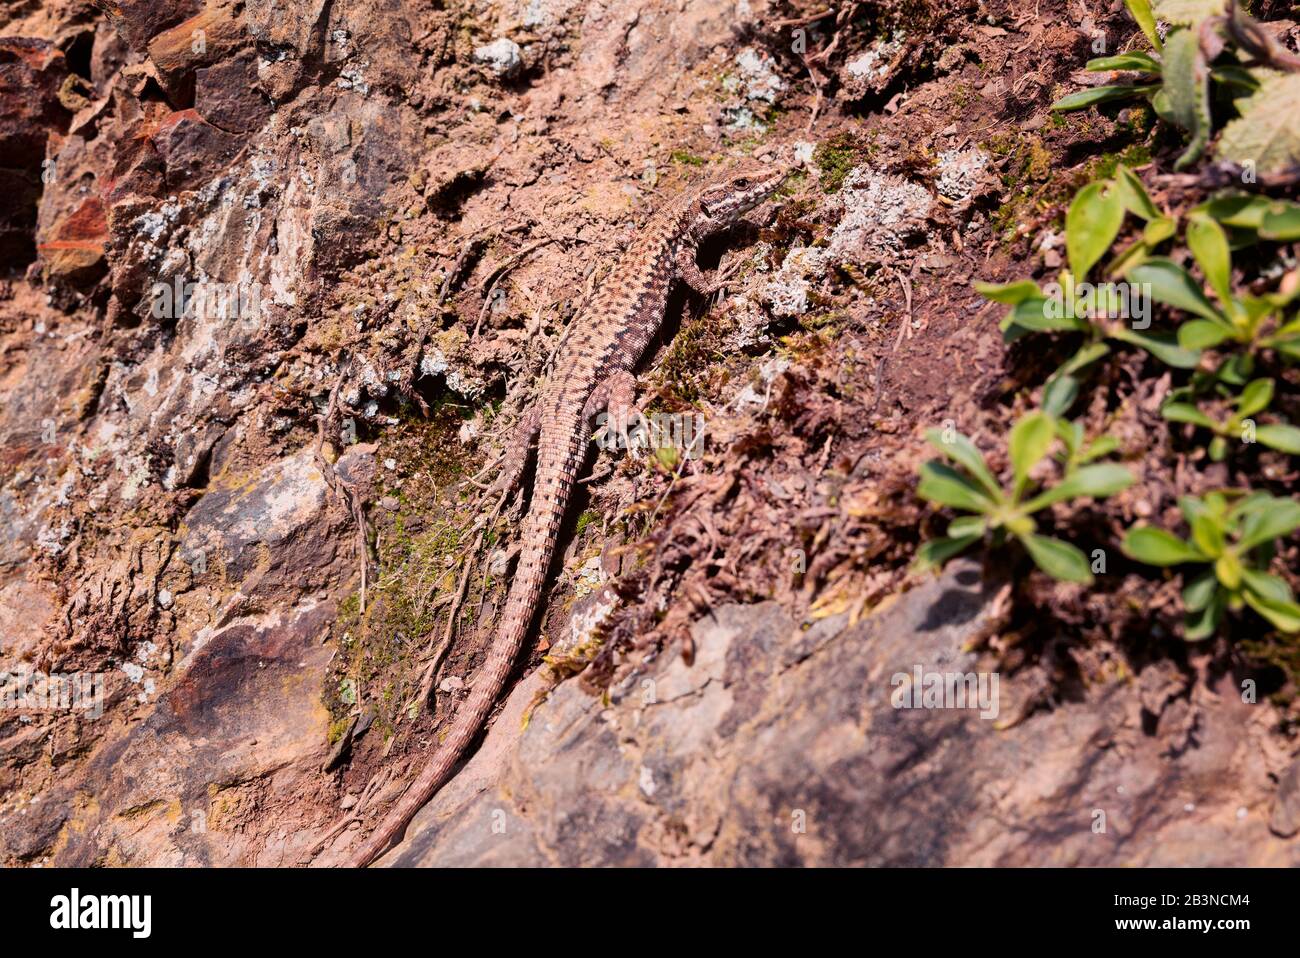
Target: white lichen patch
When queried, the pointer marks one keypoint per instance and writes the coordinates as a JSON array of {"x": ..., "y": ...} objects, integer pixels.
[
  {"x": 875, "y": 60},
  {"x": 870, "y": 70},
  {"x": 586, "y": 624},
  {"x": 879, "y": 213},
  {"x": 434, "y": 363},
  {"x": 786, "y": 294},
  {"x": 502, "y": 56},
  {"x": 757, "y": 394},
  {"x": 751, "y": 324},
  {"x": 353, "y": 79},
  {"x": 960, "y": 172},
  {"x": 741, "y": 118},
  {"x": 755, "y": 77},
  {"x": 546, "y": 13},
  {"x": 590, "y": 577}
]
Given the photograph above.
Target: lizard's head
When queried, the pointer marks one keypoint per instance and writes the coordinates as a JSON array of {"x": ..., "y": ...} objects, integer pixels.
[{"x": 739, "y": 190}]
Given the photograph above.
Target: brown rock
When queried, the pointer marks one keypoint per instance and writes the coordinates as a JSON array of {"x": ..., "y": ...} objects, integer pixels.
[
  {"x": 226, "y": 95},
  {"x": 75, "y": 249},
  {"x": 787, "y": 746},
  {"x": 31, "y": 72},
  {"x": 139, "y": 21},
  {"x": 209, "y": 37},
  {"x": 192, "y": 149},
  {"x": 1285, "y": 820}
]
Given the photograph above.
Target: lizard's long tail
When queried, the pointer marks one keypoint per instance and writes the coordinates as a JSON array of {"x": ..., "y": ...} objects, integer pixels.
[{"x": 559, "y": 456}]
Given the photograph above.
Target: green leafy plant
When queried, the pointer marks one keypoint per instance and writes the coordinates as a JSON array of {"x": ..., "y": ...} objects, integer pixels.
[
  {"x": 1007, "y": 513},
  {"x": 1212, "y": 50},
  {"x": 1237, "y": 318},
  {"x": 1092, "y": 224},
  {"x": 1236, "y": 422},
  {"x": 1236, "y": 542}
]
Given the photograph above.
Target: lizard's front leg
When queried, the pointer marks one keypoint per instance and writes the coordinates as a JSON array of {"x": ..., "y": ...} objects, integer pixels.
[{"x": 691, "y": 274}]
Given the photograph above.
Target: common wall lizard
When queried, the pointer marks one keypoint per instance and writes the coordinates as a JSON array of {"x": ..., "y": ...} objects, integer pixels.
[{"x": 593, "y": 373}]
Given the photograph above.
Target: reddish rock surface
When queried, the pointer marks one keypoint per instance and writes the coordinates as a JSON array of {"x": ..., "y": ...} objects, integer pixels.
[{"x": 247, "y": 520}]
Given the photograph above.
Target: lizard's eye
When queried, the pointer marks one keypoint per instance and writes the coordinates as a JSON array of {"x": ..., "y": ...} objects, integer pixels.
[{"x": 742, "y": 183}]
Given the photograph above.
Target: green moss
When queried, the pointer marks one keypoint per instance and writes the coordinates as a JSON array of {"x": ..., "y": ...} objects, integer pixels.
[
  {"x": 835, "y": 157},
  {"x": 419, "y": 548},
  {"x": 1105, "y": 165},
  {"x": 687, "y": 158},
  {"x": 1030, "y": 179},
  {"x": 697, "y": 345},
  {"x": 586, "y": 519},
  {"x": 337, "y": 729}
]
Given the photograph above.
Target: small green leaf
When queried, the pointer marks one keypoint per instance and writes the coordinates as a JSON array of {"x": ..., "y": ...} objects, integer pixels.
[
  {"x": 1186, "y": 86},
  {"x": 1030, "y": 439},
  {"x": 1238, "y": 209},
  {"x": 1265, "y": 135},
  {"x": 1198, "y": 593},
  {"x": 1189, "y": 12},
  {"x": 1280, "y": 436},
  {"x": 1281, "y": 222},
  {"x": 1158, "y": 547},
  {"x": 963, "y": 452},
  {"x": 1255, "y": 397},
  {"x": 1134, "y": 195},
  {"x": 1045, "y": 316},
  {"x": 1086, "y": 356},
  {"x": 933, "y": 554},
  {"x": 1058, "y": 559},
  {"x": 1252, "y": 504},
  {"x": 1174, "y": 286},
  {"x": 946, "y": 486},
  {"x": 1142, "y": 62},
  {"x": 1101, "y": 446},
  {"x": 1158, "y": 230},
  {"x": 964, "y": 526},
  {"x": 1204, "y": 625},
  {"x": 1059, "y": 394},
  {"x": 1227, "y": 568},
  {"x": 1099, "y": 481},
  {"x": 1163, "y": 346},
  {"x": 1011, "y": 293},
  {"x": 1198, "y": 334},
  {"x": 1284, "y": 616},
  {"x": 1267, "y": 586},
  {"x": 1207, "y": 534},
  {"x": 1186, "y": 412},
  {"x": 1209, "y": 244},
  {"x": 1091, "y": 225},
  {"x": 1101, "y": 94},
  {"x": 1238, "y": 77},
  {"x": 1140, "y": 10}
]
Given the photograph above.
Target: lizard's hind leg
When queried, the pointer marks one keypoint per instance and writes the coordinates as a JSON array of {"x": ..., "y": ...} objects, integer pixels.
[
  {"x": 615, "y": 396},
  {"x": 515, "y": 459}
]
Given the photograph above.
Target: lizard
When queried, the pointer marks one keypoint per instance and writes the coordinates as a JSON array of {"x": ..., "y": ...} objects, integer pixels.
[{"x": 593, "y": 373}]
